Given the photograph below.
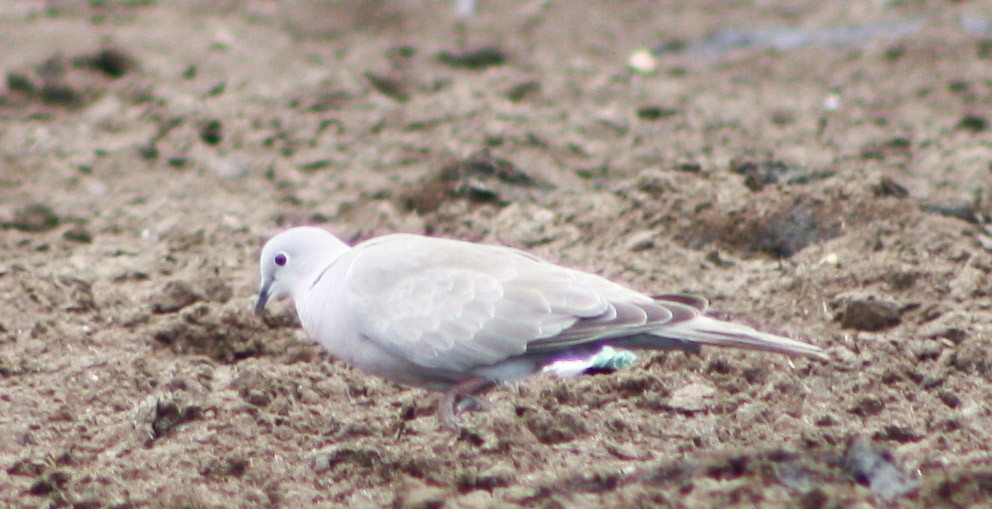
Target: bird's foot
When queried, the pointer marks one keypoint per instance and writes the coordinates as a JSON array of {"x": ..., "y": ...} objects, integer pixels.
[
  {"x": 472, "y": 404},
  {"x": 462, "y": 397}
]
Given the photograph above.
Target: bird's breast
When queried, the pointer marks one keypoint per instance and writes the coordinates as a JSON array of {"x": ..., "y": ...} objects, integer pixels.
[{"x": 328, "y": 319}]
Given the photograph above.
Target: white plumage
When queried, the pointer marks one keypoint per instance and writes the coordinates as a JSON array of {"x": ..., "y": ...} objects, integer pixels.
[{"x": 460, "y": 317}]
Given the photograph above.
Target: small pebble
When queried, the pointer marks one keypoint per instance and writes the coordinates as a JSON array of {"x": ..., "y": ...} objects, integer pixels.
[
  {"x": 228, "y": 168},
  {"x": 640, "y": 241},
  {"x": 831, "y": 103},
  {"x": 643, "y": 61},
  {"x": 832, "y": 259}
]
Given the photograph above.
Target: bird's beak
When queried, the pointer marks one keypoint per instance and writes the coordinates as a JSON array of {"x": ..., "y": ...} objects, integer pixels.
[{"x": 263, "y": 297}]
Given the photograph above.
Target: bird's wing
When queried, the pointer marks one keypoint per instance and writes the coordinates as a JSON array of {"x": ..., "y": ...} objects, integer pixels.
[{"x": 455, "y": 305}]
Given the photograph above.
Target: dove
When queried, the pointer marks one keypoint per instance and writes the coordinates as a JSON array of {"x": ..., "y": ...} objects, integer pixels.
[{"x": 460, "y": 318}]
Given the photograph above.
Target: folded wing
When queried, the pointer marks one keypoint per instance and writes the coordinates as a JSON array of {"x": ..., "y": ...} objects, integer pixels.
[
  {"x": 456, "y": 305},
  {"x": 453, "y": 305}
]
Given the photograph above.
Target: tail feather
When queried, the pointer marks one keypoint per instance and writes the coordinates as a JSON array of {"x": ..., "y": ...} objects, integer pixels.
[{"x": 704, "y": 330}]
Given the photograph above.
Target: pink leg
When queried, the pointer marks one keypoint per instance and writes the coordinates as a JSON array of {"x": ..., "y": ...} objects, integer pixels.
[{"x": 447, "y": 406}]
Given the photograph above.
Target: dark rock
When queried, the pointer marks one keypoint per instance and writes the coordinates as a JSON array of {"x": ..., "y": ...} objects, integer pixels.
[
  {"x": 211, "y": 131},
  {"x": 473, "y": 59},
  {"x": 169, "y": 413},
  {"x": 973, "y": 123},
  {"x": 656, "y": 112},
  {"x": 111, "y": 62}
]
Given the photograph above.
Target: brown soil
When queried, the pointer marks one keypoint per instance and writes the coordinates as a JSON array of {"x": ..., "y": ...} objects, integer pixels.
[{"x": 838, "y": 193}]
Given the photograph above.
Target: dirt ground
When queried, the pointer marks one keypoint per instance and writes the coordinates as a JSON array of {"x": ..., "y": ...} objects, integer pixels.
[{"x": 839, "y": 191}]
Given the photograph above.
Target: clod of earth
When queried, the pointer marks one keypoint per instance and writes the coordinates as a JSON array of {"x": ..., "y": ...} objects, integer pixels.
[
  {"x": 111, "y": 62},
  {"x": 873, "y": 466},
  {"x": 34, "y": 218},
  {"x": 973, "y": 123},
  {"x": 565, "y": 425},
  {"x": 482, "y": 178},
  {"x": 887, "y": 186},
  {"x": 758, "y": 174},
  {"x": 212, "y": 131},
  {"x": 389, "y": 86},
  {"x": 20, "y": 82},
  {"x": 78, "y": 234},
  {"x": 523, "y": 90},
  {"x": 866, "y": 312},
  {"x": 175, "y": 296},
  {"x": 226, "y": 338},
  {"x": 169, "y": 414},
  {"x": 782, "y": 233}
]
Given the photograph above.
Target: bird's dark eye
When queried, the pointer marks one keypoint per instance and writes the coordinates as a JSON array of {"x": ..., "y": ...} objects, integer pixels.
[{"x": 280, "y": 259}]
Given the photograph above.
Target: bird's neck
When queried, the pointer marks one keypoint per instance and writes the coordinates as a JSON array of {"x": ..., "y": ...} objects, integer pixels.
[{"x": 318, "y": 271}]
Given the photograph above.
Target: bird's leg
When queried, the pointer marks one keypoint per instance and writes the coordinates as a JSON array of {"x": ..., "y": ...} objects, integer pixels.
[{"x": 447, "y": 406}]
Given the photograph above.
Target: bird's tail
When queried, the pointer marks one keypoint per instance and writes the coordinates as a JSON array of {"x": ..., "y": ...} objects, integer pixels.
[
  {"x": 706, "y": 331},
  {"x": 710, "y": 331}
]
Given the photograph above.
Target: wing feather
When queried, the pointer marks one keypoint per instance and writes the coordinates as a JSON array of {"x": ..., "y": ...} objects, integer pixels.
[{"x": 456, "y": 305}]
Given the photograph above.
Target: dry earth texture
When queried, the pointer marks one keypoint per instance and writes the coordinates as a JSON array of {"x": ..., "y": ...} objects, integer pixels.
[{"x": 819, "y": 167}]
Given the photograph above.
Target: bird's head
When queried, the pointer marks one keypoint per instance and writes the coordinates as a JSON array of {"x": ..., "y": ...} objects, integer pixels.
[{"x": 291, "y": 261}]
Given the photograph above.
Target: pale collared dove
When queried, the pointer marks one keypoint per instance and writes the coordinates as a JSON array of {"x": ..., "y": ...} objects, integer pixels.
[{"x": 460, "y": 317}]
